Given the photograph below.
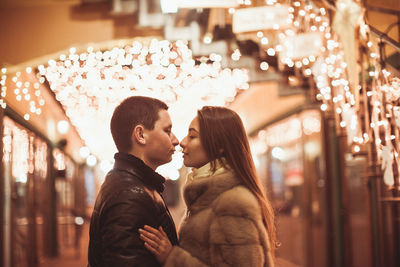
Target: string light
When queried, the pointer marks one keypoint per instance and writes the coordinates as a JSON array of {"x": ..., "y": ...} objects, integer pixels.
[
  {"x": 264, "y": 40},
  {"x": 357, "y": 149},
  {"x": 170, "y": 66},
  {"x": 329, "y": 68},
  {"x": 264, "y": 65},
  {"x": 271, "y": 52},
  {"x": 236, "y": 55},
  {"x": 160, "y": 69}
]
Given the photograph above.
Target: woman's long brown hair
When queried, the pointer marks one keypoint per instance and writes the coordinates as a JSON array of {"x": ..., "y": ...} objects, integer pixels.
[{"x": 222, "y": 134}]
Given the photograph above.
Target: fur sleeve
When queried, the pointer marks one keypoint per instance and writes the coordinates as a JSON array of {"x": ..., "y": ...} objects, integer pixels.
[
  {"x": 237, "y": 234},
  {"x": 235, "y": 241}
]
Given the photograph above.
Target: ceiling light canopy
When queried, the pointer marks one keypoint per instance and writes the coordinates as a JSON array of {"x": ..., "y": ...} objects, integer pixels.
[{"x": 90, "y": 84}]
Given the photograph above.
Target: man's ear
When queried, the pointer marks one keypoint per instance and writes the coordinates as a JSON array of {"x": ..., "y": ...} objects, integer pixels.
[{"x": 138, "y": 134}]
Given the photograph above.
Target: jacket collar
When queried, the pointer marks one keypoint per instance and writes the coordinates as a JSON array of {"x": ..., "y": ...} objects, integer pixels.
[{"x": 135, "y": 166}]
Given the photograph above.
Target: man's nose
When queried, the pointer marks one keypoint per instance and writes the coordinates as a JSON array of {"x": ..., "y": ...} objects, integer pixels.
[{"x": 175, "y": 140}]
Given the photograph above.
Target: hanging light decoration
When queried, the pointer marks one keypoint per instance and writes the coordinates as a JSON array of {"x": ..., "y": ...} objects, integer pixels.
[
  {"x": 320, "y": 51},
  {"x": 90, "y": 84}
]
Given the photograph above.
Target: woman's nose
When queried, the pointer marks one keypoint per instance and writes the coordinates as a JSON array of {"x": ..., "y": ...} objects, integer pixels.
[{"x": 183, "y": 143}]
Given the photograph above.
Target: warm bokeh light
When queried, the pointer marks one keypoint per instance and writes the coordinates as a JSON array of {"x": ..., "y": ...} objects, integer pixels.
[{"x": 90, "y": 84}]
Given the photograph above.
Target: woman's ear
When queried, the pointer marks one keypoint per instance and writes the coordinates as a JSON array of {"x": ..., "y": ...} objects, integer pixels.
[{"x": 138, "y": 134}]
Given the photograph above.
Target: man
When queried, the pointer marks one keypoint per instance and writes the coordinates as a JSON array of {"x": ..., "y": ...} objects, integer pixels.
[{"x": 130, "y": 196}]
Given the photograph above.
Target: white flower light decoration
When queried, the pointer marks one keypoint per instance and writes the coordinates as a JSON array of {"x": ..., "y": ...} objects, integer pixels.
[{"x": 91, "y": 84}]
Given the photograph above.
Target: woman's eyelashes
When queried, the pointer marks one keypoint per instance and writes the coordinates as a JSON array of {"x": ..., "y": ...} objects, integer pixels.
[{"x": 191, "y": 136}]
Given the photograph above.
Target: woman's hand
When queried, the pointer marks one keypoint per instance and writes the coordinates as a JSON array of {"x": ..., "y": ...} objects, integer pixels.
[{"x": 156, "y": 241}]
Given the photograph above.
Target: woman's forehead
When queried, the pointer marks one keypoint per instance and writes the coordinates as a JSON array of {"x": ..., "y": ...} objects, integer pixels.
[{"x": 194, "y": 124}]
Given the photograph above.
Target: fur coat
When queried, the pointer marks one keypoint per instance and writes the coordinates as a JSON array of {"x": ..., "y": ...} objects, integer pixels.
[{"x": 223, "y": 226}]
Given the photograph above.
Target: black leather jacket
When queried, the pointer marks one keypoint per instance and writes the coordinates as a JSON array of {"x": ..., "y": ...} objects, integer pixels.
[{"x": 129, "y": 198}]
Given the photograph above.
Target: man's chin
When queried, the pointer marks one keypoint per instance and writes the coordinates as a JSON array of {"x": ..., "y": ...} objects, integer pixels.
[{"x": 166, "y": 161}]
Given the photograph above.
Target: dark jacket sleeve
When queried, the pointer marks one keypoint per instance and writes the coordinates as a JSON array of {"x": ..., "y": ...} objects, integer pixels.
[{"x": 128, "y": 211}]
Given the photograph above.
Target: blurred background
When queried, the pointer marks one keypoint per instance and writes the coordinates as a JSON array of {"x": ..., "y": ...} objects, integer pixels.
[{"x": 316, "y": 84}]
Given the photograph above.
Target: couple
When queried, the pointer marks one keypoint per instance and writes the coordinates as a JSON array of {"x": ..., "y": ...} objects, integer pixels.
[{"x": 229, "y": 221}]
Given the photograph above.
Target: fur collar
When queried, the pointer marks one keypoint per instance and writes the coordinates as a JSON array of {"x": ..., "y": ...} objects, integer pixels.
[
  {"x": 201, "y": 192},
  {"x": 205, "y": 171}
]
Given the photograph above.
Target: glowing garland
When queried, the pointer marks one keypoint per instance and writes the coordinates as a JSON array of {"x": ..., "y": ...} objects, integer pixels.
[
  {"x": 25, "y": 90},
  {"x": 170, "y": 71},
  {"x": 328, "y": 68},
  {"x": 89, "y": 84}
]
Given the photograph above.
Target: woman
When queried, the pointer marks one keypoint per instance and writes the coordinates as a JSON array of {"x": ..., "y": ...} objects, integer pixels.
[{"x": 229, "y": 221}]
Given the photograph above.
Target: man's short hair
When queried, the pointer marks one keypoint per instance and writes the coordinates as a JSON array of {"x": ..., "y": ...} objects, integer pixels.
[{"x": 133, "y": 111}]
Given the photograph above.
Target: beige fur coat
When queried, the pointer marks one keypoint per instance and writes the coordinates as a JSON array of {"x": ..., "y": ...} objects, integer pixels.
[{"x": 223, "y": 226}]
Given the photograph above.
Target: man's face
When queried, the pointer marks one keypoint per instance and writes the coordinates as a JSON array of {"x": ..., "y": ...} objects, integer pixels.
[{"x": 160, "y": 142}]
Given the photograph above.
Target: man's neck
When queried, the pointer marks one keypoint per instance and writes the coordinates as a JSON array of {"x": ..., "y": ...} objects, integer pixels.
[{"x": 141, "y": 155}]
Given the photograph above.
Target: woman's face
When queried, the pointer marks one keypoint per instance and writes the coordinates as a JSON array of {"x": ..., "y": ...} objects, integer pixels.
[{"x": 194, "y": 154}]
